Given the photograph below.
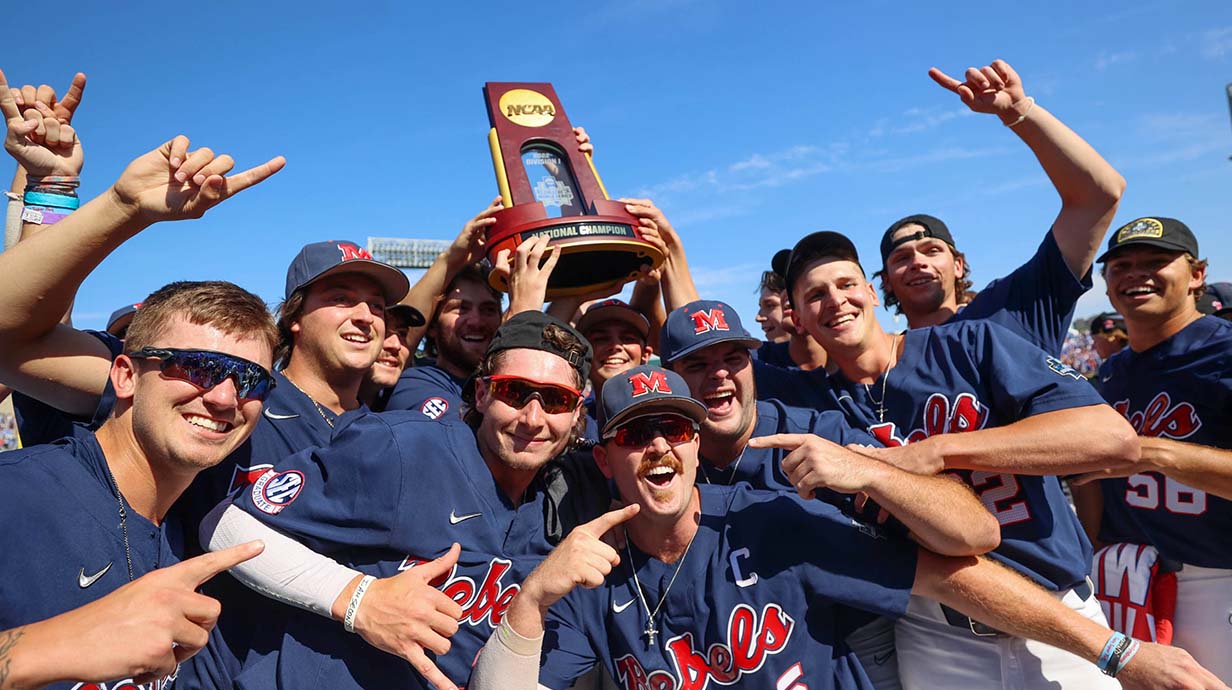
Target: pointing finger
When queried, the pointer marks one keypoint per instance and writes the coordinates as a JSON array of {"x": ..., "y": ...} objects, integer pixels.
[
  {"x": 195, "y": 572},
  {"x": 786, "y": 441},
  {"x": 944, "y": 79},
  {"x": 252, "y": 176},
  {"x": 600, "y": 525}
]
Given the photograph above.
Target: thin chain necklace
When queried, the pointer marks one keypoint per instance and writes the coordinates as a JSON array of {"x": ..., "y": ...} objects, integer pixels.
[
  {"x": 651, "y": 630},
  {"x": 320, "y": 410},
  {"x": 731, "y": 477},
  {"x": 885, "y": 378},
  {"x": 128, "y": 552}
]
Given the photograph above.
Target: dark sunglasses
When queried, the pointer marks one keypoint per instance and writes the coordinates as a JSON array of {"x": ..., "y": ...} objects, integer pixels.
[
  {"x": 516, "y": 392},
  {"x": 206, "y": 369},
  {"x": 642, "y": 431}
]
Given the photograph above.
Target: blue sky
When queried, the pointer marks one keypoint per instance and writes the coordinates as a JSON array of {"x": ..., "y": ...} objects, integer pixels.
[{"x": 751, "y": 124}]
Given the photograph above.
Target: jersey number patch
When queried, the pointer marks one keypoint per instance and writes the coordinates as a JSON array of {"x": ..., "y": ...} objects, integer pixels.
[{"x": 1143, "y": 491}]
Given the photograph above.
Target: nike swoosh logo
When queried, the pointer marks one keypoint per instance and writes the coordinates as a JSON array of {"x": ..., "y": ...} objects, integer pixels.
[
  {"x": 83, "y": 581},
  {"x": 455, "y": 519},
  {"x": 274, "y": 415},
  {"x": 617, "y": 608},
  {"x": 880, "y": 659}
]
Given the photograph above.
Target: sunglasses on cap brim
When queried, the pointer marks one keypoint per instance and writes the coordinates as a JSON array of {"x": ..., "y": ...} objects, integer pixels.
[{"x": 207, "y": 368}]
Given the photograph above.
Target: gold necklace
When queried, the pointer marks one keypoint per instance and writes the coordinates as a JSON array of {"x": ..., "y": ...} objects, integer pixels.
[
  {"x": 885, "y": 378},
  {"x": 320, "y": 410}
]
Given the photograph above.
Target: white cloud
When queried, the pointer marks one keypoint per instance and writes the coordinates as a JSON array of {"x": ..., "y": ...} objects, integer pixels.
[
  {"x": 1216, "y": 43},
  {"x": 1106, "y": 59},
  {"x": 891, "y": 165}
]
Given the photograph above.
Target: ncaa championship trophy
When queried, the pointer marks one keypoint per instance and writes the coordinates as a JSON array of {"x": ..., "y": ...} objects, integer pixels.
[{"x": 550, "y": 188}]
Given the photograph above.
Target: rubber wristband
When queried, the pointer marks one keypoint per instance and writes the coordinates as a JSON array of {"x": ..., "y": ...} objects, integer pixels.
[
  {"x": 56, "y": 200},
  {"x": 348, "y": 621},
  {"x": 43, "y": 215},
  {"x": 1128, "y": 654},
  {"x": 1114, "y": 649}
]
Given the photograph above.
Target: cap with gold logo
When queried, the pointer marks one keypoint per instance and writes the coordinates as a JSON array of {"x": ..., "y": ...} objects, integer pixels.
[{"x": 1165, "y": 233}]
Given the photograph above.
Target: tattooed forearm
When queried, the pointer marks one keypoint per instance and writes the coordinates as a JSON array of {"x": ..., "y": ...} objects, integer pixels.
[{"x": 8, "y": 640}]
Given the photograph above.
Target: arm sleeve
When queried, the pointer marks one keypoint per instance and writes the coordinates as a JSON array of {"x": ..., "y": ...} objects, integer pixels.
[
  {"x": 346, "y": 494},
  {"x": 286, "y": 570},
  {"x": 507, "y": 662}
]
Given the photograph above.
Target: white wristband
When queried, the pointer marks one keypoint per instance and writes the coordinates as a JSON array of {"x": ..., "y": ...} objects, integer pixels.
[
  {"x": 1022, "y": 118},
  {"x": 348, "y": 621}
]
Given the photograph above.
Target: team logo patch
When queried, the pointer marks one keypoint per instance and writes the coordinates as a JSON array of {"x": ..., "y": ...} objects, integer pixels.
[
  {"x": 433, "y": 408},
  {"x": 706, "y": 320},
  {"x": 246, "y": 476},
  {"x": 649, "y": 382},
  {"x": 1059, "y": 367},
  {"x": 1143, "y": 227},
  {"x": 351, "y": 252},
  {"x": 274, "y": 491}
]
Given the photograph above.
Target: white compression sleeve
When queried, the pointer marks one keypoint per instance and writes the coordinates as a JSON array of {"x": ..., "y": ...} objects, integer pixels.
[
  {"x": 508, "y": 661},
  {"x": 286, "y": 570}
]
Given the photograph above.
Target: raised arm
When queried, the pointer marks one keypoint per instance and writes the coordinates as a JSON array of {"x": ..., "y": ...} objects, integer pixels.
[
  {"x": 1090, "y": 188},
  {"x": 39, "y": 277},
  {"x": 675, "y": 279},
  {"x": 941, "y": 514}
]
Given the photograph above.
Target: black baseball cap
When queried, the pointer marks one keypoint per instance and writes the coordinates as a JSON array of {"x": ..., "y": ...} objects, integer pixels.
[
  {"x": 933, "y": 227},
  {"x": 778, "y": 263},
  {"x": 1107, "y": 322},
  {"x": 816, "y": 246},
  {"x": 1153, "y": 231},
  {"x": 525, "y": 330},
  {"x": 413, "y": 317}
]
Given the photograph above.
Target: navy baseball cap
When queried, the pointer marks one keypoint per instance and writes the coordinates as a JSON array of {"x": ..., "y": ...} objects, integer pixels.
[
  {"x": 1157, "y": 231},
  {"x": 120, "y": 318},
  {"x": 1107, "y": 322},
  {"x": 614, "y": 310},
  {"x": 645, "y": 390},
  {"x": 527, "y": 330},
  {"x": 815, "y": 246},
  {"x": 1216, "y": 299},
  {"x": 701, "y": 324},
  {"x": 933, "y": 227},
  {"x": 320, "y": 259}
]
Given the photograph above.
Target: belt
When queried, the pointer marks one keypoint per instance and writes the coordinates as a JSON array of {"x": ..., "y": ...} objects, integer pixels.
[{"x": 958, "y": 620}]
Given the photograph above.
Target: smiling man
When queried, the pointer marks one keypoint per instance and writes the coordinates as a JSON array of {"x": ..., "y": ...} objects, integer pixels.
[
  {"x": 395, "y": 490},
  {"x": 768, "y": 595},
  {"x": 1174, "y": 384},
  {"x": 925, "y": 277}
]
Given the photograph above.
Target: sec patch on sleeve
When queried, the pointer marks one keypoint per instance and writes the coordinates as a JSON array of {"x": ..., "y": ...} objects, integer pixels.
[
  {"x": 433, "y": 408},
  {"x": 1064, "y": 369},
  {"x": 274, "y": 491}
]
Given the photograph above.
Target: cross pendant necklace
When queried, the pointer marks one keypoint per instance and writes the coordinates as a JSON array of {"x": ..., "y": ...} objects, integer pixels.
[{"x": 650, "y": 632}]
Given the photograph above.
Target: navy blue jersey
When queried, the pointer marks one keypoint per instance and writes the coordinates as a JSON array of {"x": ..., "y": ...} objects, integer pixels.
[
  {"x": 63, "y": 546},
  {"x": 1180, "y": 389},
  {"x": 775, "y": 354},
  {"x": 794, "y": 387},
  {"x": 430, "y": 390},
  {"x": 39, "y": 423},
  {"x": 746, "y": 611},
  {"x": 392, "y": 490},
  {"x": 1036, "y": 301},
  {"x": 290, "y": 422},
  {"x": 973, "y": 375}
]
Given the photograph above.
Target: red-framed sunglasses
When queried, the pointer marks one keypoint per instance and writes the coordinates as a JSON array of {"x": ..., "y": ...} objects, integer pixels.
[
  {"x": 516, "y": 392},
  {"x": 642, "y": 431}
]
